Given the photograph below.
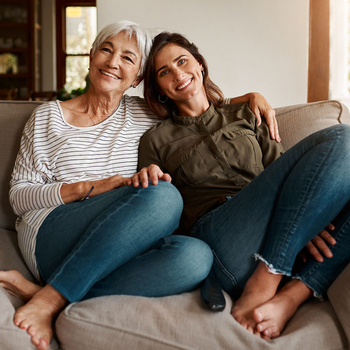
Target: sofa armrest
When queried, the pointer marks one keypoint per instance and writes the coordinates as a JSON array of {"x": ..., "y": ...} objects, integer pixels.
[
  {"x": 298, "y": 121},
  {"x": 339, "y": 296}
]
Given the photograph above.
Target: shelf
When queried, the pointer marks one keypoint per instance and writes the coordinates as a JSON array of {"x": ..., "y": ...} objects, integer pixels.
[
  {"x": 20, "y": 27},
  {"x": 13, "y": 24},
  {"x": 13, "y": 50},
  {"x": 18, "y": 75},
  {"x": 8, "y": 2}
]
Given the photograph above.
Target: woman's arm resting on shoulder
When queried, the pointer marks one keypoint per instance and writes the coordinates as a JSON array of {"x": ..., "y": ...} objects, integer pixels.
[
  {"x": 259, "y": 105},
  {"x": 153, "y": 173}
]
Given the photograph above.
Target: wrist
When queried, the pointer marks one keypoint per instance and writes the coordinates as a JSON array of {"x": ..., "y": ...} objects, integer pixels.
[
  {"x": 87, "y": 194},
  {"x": 75, "y": 191}
]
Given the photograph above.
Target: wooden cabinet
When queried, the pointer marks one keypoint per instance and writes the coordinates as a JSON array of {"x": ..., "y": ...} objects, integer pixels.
[{"x": 20, "y": 46}]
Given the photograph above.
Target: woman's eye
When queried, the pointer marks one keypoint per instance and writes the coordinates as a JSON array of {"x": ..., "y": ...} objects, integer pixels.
[
  {"x": 182, "y": 61},
  {"x": 106, "y": 49},
  {"x": 163, "y": 72},
  {"x": 128, "y": 59}
]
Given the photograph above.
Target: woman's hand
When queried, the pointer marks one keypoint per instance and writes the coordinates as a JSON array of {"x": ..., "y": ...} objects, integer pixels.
[
  {"x": 153, "y": 173},
  {"x": 260, "y": 107},
  {"x": 77, "y": 191},
  {"x": 318, "y": 245}
]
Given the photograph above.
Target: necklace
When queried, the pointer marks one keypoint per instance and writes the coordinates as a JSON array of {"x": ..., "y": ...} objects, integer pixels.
[
  {"x": 86, "y": 111},
  {"x": 90, "y": 117}
]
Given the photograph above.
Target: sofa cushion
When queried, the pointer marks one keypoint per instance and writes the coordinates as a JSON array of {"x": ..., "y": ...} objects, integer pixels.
[
  {"x": 14, "y": 115},
  {"x": 339, "y": 296},
  {"x": 183, "y": 322}
]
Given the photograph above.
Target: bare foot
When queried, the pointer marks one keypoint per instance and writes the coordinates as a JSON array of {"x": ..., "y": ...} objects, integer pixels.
[
  {"x": 37, "y": 316},
  {"x": 260, "y": 288},
  {"x": 14, "y": 283},
  {"x": 272, "y": 317},
  {"x": 243, "y": 309}
]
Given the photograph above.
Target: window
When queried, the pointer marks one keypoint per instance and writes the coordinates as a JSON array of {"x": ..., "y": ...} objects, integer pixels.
[
  {"x": 339, "y": 50},
  {"x": 76, "y": 30}
]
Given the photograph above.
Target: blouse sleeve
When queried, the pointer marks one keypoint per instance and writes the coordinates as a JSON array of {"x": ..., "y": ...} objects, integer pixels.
[
  {"x": 147, "y": 153},
  {"x": 271, "y": 149},
  {"x": 30, "y": 187}
]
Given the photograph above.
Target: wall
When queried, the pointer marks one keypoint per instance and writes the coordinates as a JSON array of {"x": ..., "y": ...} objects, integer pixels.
[
  {"x": 48, "y": 41},
  {"x": 250, "y": 45}
]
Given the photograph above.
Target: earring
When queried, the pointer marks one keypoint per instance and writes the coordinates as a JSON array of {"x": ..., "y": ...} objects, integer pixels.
[{"x": 162, "y": 100}]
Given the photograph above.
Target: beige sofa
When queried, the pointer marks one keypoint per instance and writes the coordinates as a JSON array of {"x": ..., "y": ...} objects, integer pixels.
[{"x": 177, "y": 322}]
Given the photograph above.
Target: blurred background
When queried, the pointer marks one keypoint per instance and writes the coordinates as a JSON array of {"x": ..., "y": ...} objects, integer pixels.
[{"x": 290, "y": 51}]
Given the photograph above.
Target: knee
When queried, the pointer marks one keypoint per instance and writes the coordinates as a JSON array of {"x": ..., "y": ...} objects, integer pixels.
[
  {"x": 165, "y": 199},
  {"x": 196, "y": 258},
  {"x": 346, "y": 134},
  {"x": 342, "y": 135}
]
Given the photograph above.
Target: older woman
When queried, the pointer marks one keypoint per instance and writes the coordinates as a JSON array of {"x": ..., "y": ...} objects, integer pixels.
[{"x": 216, "y": 156}]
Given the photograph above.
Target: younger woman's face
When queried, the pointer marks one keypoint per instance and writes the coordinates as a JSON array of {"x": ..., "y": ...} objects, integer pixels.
[{"x": 178, "y": 74}]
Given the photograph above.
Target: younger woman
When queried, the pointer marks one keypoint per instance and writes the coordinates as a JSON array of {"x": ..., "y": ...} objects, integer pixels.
[{"x": 241, "y": 195}]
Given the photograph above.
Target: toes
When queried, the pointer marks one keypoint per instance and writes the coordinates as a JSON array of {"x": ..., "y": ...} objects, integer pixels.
[
  {"x": 265, "y": 337},
  {"x": 258, "y": 334},
  {"x": 20, "y": 323},
  {"x": 40, "y": 342},
  {"x": 268, "y": 329},
  {"x": 44, "y": 345},
  {"x": 262, "y": 326},
  {"x": 35, "y": 341},
  {"x": 31, "y": 331},
  {"x": 274, "y": 333},
  {"x": 258, "y": 316},
  {"x": 250, "y": 329}
]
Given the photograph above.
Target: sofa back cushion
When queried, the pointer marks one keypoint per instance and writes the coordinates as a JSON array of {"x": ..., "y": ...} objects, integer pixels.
[
  {"x": 13, "y": 116},
  {"x": 295, "y": 122},
  {"x": 298, "y": 121}
]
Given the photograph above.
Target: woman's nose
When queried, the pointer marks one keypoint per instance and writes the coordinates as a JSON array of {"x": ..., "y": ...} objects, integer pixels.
[
  {"x": 113, "y": 62},
  {"x": 177, "y": 74}
]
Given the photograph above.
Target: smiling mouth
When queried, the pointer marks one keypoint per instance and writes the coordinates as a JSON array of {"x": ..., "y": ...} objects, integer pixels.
[
  {"x": 109, "y": 74},
  {"x": 186, "y": 83}
]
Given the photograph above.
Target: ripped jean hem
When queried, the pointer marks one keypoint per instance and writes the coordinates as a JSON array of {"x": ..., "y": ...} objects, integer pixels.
[
  {"x": 270, "y": 267},
  {"x": 315, "y": 294},
  {"x": 274, "y": 271}
]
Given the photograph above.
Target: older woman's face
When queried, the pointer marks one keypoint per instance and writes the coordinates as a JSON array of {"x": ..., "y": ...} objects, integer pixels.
[
  {"x": 115, "y": 64},
  {"x": 178, "y": 73}
]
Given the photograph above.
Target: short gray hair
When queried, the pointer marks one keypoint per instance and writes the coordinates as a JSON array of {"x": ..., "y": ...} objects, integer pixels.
[{"x": 142, "y": 36}]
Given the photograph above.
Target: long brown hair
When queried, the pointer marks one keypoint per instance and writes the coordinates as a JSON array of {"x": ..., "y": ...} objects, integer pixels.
[{"x": 151, "y": 89}]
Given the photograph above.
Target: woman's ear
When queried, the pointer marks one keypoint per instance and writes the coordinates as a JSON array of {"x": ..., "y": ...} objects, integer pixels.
[
  {"x": 137, "y": 81},
  {"x": 90, "y": 56}
]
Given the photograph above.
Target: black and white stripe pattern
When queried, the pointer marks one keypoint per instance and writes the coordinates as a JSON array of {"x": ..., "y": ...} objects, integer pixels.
[{"x": 53, "y": 152}]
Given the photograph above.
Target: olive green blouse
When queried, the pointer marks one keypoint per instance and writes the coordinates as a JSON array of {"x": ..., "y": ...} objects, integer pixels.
[{"x": 211, "y": 156}]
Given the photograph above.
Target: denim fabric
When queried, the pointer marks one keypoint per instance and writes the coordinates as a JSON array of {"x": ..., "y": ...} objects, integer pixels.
[
  {"x": 281, "y": 210},
  {"x": 117, "y": 243}
]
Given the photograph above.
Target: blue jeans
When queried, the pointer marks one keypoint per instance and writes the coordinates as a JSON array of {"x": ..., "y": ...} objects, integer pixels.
[
  {"x": 119, "y": 243},
  {"x": 281, "y": 210}
]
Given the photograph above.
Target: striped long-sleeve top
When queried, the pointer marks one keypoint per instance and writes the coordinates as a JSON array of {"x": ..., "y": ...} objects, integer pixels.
[{"x": 53, "y": 152}]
